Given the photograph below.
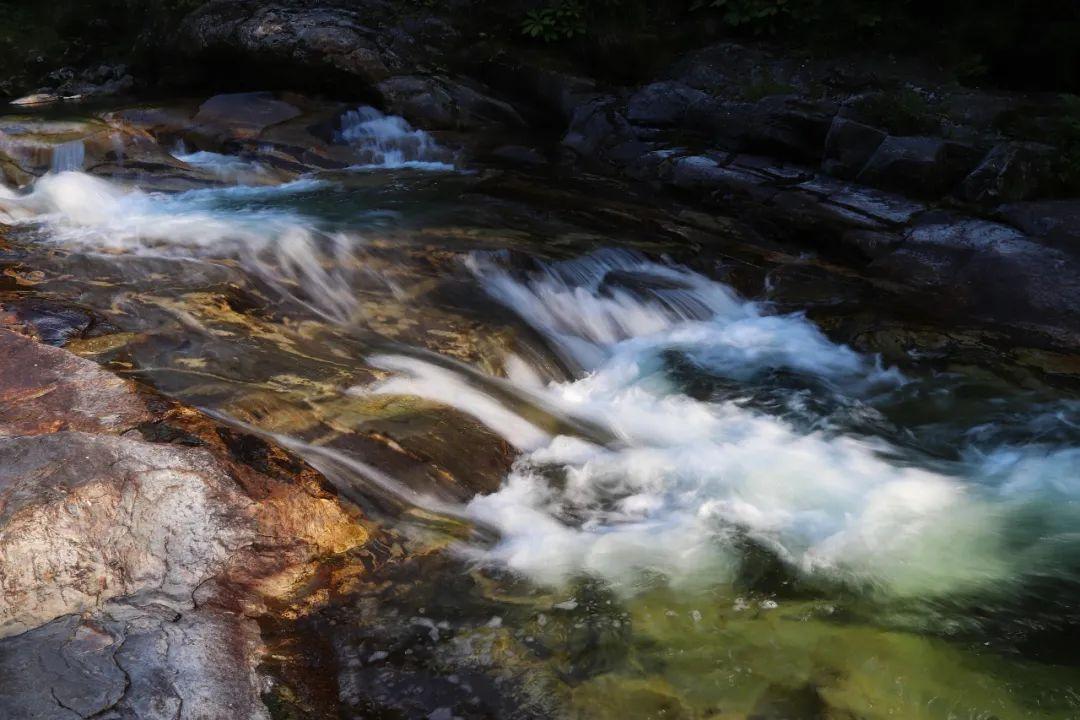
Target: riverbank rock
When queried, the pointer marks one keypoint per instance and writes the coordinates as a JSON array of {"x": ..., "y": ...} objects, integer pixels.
[{"x": 136, "y": 536}]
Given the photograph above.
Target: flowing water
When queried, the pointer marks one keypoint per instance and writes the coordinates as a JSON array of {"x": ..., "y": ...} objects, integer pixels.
[{"x": 694, "y": 502}]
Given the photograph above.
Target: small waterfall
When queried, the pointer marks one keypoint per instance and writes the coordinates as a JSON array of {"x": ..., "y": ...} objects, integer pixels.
[
  {"x": 389, "y": 141},
  {"x": 68, "y": 156}
]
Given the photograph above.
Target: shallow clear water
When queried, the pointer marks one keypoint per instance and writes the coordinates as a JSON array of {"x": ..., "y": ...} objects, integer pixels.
[{"x": 695, "y": 503}]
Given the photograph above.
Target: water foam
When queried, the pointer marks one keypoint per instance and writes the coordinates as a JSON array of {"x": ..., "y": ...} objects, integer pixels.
[
  {"x": 226, "y": 167},
  {"x": 690, "y": 484},
  {"x": 390, "y": 142},
  {"x": 282, "y": 248}
]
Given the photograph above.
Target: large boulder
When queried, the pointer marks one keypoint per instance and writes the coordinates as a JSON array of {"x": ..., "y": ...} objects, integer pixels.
[
  {"x": 849, "y": 146},
  {"x": 1010, "y": 172},
  {"x": 1057, "y": 221},
  {"x": 918, "y": 166},
  {"x": 440, "y": 103},
  {"x": 137, "y": 539},
  {"x": 292, "y": 37},
  {"x": 663, "y": 104}
]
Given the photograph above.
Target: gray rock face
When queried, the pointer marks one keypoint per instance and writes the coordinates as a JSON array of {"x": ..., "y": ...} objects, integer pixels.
[
  {"x": 124, "y": 662},
  {"x": 918, "y": 166},
  {"x": 1011, "y": 172},
  {"x": 1058, "y": 221},
  {"x": 849, "y": 146},
  {"x": 439, "y": 103},
  {"x": 663, "y": 104}
]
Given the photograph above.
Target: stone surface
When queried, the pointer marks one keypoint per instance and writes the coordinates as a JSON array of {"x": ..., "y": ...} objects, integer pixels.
[
  {"x": 244, "y": 114},
  {"x": 848, "y": 147},
  {"x": 55, "y": 390},
  {"x": 1011, "y": 172},
  {"x": 1058, "y": 221},
  {"x": 130, "y": 564},
  {"x": 662, "y": 104},
  {"x": 439, "y": 103},
  {"x": 918, "y": 166}
]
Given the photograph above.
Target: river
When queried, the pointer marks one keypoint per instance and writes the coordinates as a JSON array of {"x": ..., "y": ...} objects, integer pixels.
[{"x": 641, "y": 469}]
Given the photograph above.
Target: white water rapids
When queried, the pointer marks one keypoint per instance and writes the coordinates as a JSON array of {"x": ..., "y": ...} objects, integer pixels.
[{"x": 690, "y": 480}]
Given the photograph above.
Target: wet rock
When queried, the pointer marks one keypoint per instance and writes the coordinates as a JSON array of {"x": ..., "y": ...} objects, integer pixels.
[
  {"x": 918, "y": 166},
  {"x": 50, "y": 323},
  {"x": 1058, "y": 221},
  {"x": 1011, "y": 172},
  {"x": 30, "y": 147},
  {"x": 848, "y": 147},
  {"x": 243, "y": 115},
  {"x": 713, "y": 180},
  {"x": 56, "y": 390}
]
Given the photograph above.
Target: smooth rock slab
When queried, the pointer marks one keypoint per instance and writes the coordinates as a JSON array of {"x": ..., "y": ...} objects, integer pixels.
[{"x": 45, "y": 389}]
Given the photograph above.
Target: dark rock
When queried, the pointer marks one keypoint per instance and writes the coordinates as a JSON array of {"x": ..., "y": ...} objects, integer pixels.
[
  {"x": 874, "y": 204},
  {"x": 1058, "y": 221},
  {"x": 782, "y": 126},
  {"x": 592, "y": 127},
  {"x": 64, "y": 670},
  {"x": 519, "y": 154},
  {"x": 711, "y": 179},
  {"x": 869, "y": 244},
  {"x": 849, "y": 146},
  {"x": 299, "y": 39},
  {"x": 991, "y": 271},
  {"x": 50, "y": 323},
  {"x": 662, "y": 104},
  {"x": 439, "y": 103},
  {"x": 919, "y": 166},
  {"x": 1011, "y": 172}
]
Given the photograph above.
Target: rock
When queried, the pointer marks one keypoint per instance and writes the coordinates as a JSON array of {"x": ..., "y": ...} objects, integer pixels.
[
  {"x": 297, "y": 39},
  {"x": 134, "y": 662},
  {"x": 848, "y": 147},
  {"x": 32, "y": 146},
  {"x": 50, "y": 323},
  {"x": 966, "y": 259},
  {"x": 714, "y": 181},
  {"x": 781, "y": 126},
  {"x": 243, "y": 115},
  {"x": 129, "y": 568},
  {"x": 662, "y": 104},
  {"x": 1058, "y": 221},
  {"x": 438, "y": 103},
  {"x": 56, "y": 390},
  {"x": 550, "y": 90},
  {"x": 592, "y": 127},
  {"x": 919, "y": 166},
  {"x": 519, "y": 154},
  {"x": 879, "y": 206},
  {"x": 1011, "y": 172}
]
